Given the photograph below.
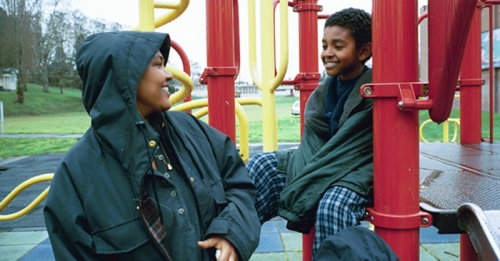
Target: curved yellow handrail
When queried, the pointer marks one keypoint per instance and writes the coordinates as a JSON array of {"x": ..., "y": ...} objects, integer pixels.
[
  {"x": 283, "y": 46},
  {"x": 177, "y": 10},
  {"x": 18, "y": 190},
  {"x": 268, "y": 82},
  {"x": 268, "y": 43},
  {"x": 187, "y": 84},
  {"x": 456, "y": 124},
  {"x": 147, "y": 20},
  {"x": 252, "y": 44},
  {"x": 240, "y": 113}
]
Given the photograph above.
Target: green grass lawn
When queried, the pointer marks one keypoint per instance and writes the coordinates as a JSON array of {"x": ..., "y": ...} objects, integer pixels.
[{"x": 57, "y": 113}]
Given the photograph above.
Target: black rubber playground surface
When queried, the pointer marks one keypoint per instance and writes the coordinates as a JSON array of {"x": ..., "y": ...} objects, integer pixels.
[{"x": 12, "y": 173}]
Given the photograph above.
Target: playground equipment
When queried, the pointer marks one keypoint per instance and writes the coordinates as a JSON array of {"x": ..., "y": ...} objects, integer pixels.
[
  {"x": 397, "y": 97},
  {"x": 446, "y": 127},
  {"x": 26, "y": 184},
  {"x": 406, "y": 188}
]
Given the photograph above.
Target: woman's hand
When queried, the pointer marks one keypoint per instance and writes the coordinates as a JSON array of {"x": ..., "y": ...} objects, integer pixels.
[{"x": 227, "y": 250}]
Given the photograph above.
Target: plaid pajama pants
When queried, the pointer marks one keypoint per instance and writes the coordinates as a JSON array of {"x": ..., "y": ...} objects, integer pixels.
[{"x": 339, "y": 207}]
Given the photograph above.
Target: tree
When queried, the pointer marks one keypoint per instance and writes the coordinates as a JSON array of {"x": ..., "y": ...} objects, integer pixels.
[
  {"x": 6, "y": 55},
  {"x": 48, "y": 37},
  {"x": 40, "y": 39},
  {"x": 19, "y": 13}
]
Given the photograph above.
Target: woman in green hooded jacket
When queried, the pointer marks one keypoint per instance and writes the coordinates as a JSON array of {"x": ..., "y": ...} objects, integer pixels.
[{"x": 145, "y": 183}]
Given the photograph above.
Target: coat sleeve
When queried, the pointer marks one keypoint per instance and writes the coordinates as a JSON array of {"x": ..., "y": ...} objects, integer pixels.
[
  {"x": 65, "y": 220},
  {"x": 238, "y": 221}
]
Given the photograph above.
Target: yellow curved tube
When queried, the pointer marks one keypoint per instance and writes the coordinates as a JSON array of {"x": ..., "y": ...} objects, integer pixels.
[
  {"x": 252, "y": 44},
  {"x": 147, "y": 20},
  {"x": 456, "y": 124},
  {"x": 18, "y": 190},
  {"x": 240, "y": 113},
  {"x": 283, "y": 46},
  {"x": 177, "y": 10},
  {"x": 187, "y": 84}
]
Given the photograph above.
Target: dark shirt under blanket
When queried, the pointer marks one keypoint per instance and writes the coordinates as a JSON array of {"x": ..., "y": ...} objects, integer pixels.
[{"x": 336, "y": 95}]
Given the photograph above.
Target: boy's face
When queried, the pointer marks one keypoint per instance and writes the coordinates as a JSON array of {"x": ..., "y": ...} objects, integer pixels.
[
  {"x": 339, "y": 54},
  {"x": 152, "y": 92}
]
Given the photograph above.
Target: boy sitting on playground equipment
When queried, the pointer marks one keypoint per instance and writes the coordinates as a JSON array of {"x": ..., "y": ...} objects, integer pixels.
[{"x": 326, "y": 182}]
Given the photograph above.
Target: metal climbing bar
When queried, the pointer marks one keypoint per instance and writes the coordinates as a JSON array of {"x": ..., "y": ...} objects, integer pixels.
[{"x": 23, "y": 186}]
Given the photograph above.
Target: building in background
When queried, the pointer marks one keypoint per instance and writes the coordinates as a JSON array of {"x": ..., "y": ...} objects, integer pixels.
[{"x": 8, "y": 79}]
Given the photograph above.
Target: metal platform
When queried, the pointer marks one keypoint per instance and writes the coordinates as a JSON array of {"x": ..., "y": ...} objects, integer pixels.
[{"x": 452, "y": 175}]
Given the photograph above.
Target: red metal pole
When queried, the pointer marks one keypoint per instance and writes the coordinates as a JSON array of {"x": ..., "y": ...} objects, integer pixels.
[
  {"x": 470, "y": 87},
  {"x": 467, "y": 251},
  {"x": 395, "y": 132},
  {"x": 470, "y": 105},
  {"x": 308, "y": 76},
  {"x": 221, "y": 70},
  {"x": 185, "y": 63},
  {"x": 491, "y": 81}
]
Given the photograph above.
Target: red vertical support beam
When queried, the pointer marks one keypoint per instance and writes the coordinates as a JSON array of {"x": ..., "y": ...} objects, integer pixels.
[
  {"x": 221, "y": 66},
  {"x": 470, "y": 89},
  {"x": 395, "y": 132},
  {"x": 470, "y": 106},
  {"x": 467, "y": 250},
  {"x": 308, "y": 76}
]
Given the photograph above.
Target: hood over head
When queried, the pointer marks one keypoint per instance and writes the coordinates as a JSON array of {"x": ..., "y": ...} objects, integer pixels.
[
  {"x": 124, "y": 55},
  {"x": 111, "y": 65}
]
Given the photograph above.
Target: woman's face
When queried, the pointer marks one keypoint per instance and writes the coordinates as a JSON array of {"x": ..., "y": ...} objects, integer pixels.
[{"x": 152, "y": 92}]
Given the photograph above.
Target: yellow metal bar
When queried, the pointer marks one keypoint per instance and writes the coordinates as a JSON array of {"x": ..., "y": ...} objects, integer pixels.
[
  {"x": 177, "y": 10},
  {"x": 147, "y": 20},
  {"x": 18, "y": 190},
  {"x": 240, "y": 113},
  {"x": 243, "y": 121},
  {"x": 170, "y": 5},
  {"x": 268, "y": 82},
  {"x": 187, "y": 84},
  {"x": 269, "y": 120},
  {"x": 252, "y": 44},
  {"x": 249, "y": 101},
  {"x": 191, "y": 105},
  {"x": 446, "y": 129},
  {"x": 283, "y": 45},
  {"x": 146, "y": 16},
  {"x": 456, "y": 125}
]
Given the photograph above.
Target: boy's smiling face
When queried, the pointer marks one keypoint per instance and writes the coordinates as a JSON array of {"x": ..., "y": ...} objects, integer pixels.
[{"x": 339, "y": 53}]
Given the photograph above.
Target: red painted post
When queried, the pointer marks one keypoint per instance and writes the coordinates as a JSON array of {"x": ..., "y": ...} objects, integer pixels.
[
  {"x": 221, "y": 71},
  {"x": 395, "y": 132},
  {"x": 308, "y": 76},
  {"x": 470, "y": 104},
  {"x": 470, "y": 87}
]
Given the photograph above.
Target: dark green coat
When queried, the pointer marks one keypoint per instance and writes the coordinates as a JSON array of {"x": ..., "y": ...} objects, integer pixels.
[
  {"x": 346, "y": 159},
  {"x": 92, "y": 210}
]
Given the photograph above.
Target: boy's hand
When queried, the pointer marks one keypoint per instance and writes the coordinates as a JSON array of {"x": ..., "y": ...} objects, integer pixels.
[{"x": 227, "y": 251}]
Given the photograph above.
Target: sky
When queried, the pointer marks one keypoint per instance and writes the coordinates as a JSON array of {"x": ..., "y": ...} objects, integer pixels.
[{"x": 189, "y": 29}]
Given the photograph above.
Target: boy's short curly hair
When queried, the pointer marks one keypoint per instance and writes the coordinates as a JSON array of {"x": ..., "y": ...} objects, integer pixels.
[{"x": 356, "y": 20}]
